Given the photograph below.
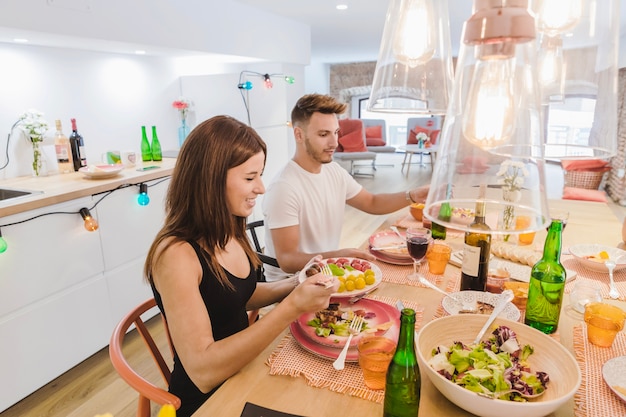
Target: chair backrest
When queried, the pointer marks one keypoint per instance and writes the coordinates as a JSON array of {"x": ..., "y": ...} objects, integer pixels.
[
  {"x": 431, "y": 126},
  {"x": 252, "y": 227},
  {"x": 351, "y": 136},
  {"x": 373, "y": 123},
  {"x": 147, "y": 390}
]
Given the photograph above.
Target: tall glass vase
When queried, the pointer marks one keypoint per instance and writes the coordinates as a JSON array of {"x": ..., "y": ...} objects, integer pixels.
[
  {"x": 183, "y": 131},
  {"x": 37, "y": 158},
  {"x": 508, "y": 216}
]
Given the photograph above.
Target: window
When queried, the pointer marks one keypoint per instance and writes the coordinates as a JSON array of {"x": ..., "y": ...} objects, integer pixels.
[
  {"x": 570, "y": 122},
  {"x": 396, "y": 123}
]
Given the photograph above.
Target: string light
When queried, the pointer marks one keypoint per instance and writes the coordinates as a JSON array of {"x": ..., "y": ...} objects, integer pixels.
[
  {"x": 91, "y": 225},
  {"x": 143, "y": 199},
  {"x": 268, "y": 81},
  {"x": 3, "y": 243},
  {"x": 245, "y": 86}
]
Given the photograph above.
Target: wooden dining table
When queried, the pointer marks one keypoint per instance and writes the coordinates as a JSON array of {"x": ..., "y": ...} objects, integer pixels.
[{"x": 589, "y": 222}]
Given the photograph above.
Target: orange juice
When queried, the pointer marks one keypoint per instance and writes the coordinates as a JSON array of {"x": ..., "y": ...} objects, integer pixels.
[
  {"x": 523, "y": 222},
  {"x": 603, "y": 322},
  {"x": 375, "y": 353}
]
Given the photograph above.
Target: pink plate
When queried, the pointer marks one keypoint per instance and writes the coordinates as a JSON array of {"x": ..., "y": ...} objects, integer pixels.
[
  {"x": 381, "y": 256},
  {"x": 331, "y": 352},
  {"x": 382, "y": 311},
  {"x": 389, "y": 238},
  {"x": 378, "y": 277}
]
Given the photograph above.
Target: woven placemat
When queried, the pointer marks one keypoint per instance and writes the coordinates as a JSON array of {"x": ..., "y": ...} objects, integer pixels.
[
  {"x": 398, "y": 274},
  {"x": 289, "y": 358},
  {"x": 594, "y": 397}
]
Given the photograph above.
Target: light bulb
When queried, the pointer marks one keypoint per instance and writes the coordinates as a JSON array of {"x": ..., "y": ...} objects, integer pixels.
[
  {"x": 415, "y": 39},
  {"x": 3, "y": 244},
  {"x": 488, "y": 120},
  {"x": 268, "y": 81},
  {"x": 555, "y": 17},
  {"x": 245, "y": 86},
  {"x": 551, "y": 68},
  {"x": 143, "y": 199},
  {"x": 91, "y": 224},
  {"x": 289, "y": 79}
]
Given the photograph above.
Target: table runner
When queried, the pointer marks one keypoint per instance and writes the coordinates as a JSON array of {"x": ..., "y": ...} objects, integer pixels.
[
  {"x": 594, "y": 397},
  {"x": 289, "y": 358}
]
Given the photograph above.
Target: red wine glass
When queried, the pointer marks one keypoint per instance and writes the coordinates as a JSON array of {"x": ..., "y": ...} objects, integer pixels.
[{"x": 418, "y": 240}]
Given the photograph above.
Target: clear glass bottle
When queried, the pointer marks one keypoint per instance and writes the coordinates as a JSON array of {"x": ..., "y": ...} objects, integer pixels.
[
  {"x": 547, "y": 283},
  {"x": 156, "y": 146},
  {"x": 146, "y": 152},
  {"x": 77, "y": 144},
  {"x": 403, "y": 382},
  {"x": 476, "y": 250},
  {"x": 63, "y": 150}
]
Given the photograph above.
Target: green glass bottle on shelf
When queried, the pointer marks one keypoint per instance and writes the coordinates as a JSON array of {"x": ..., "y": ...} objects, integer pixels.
[
  {"x": 445, "y": 213},
  {"x": 547, "y": 283},
  {"x": 156, "y": 146},
  {"x": 403, "y": 381},
  {"x": 146, "y": 152}
]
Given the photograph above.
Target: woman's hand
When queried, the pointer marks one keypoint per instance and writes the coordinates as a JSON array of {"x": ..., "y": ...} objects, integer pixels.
[{"x": 313, "y": 294}]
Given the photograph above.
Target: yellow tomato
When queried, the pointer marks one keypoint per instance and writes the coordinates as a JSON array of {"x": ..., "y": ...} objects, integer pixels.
[
  {"x": 350, "y": 285},
  {"x": 350, "y": 278},
  {"x": 342, "y": 287},
  {"x": 370, "y": 279},
  {"x": 359, "y": 283}
]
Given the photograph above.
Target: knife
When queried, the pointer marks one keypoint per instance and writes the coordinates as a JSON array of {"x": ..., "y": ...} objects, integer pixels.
[{"x": 358, "y": 297}]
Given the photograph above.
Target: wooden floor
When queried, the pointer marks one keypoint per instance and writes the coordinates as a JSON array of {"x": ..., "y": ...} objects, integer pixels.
[{"x": 93, "y": 386}]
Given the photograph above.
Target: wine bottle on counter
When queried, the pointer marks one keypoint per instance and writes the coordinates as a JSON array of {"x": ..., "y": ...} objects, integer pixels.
[
  {"x": 477, "y": 249},
  {"x": 77, "y": 144},
  {"x": 63, "y": 150},
  {"x": 403, "y": 380},
  {"x": 146, "y": 152},
  {"x": 156, "y": 146},
  {"x": 547, "y": 283}
]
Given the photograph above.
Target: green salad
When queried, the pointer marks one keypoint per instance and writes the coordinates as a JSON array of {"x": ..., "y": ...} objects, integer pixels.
[{"x": 497, "y": 367}]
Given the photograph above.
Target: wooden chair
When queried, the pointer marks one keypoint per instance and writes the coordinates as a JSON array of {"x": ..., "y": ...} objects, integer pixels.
[
  {"x": 147, "y": 390},
  {"x": 253, "y": 315}
]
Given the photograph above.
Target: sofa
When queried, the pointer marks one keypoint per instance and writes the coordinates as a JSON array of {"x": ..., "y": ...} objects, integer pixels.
[{"x": 352, "y": 147}]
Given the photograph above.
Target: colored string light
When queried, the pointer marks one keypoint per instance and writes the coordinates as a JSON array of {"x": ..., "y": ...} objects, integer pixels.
[
  {"x": 91, "y": 225},
  {"x": 143, "y": 199},
  {"x": 3, "y": 243}
]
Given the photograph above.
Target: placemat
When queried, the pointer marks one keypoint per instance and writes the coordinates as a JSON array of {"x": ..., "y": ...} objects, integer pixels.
[
  {"x": 602, "y": 280},
  {"x": 289, "y": 358},
  {"x": 594, "y": 397},
  {"x": 398, "y": 274},
  {"x": 409, "y": 221}
]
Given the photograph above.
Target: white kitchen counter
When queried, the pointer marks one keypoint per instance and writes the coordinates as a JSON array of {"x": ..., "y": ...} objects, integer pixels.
[{"x": 59, "y": 188}]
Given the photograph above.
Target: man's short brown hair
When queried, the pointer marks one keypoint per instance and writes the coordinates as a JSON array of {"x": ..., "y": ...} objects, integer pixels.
[{"x": 315, "y": 103}]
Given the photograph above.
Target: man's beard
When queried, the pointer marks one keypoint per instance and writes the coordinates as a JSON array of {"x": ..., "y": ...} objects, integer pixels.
[{"x": 315, "y": 155}]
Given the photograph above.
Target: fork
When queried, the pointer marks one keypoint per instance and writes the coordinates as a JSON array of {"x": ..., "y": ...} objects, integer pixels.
[
  {"x": 354, "y": 328},
  {"x": 328, "y": 273}
]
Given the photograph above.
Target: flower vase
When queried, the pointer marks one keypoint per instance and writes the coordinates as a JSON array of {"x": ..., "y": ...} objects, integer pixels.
[
  {"x": 508, "y": 216},
  {"x": 183, "y": 131},
  {"x": 37, "y": 158},
  {"x": 420, "y": 144}
]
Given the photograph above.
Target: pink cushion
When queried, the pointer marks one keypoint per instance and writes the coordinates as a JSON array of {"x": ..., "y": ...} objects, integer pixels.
[
  {"x": 374, "y": 132},
  {"x": 375, "y": 142},
  {"x": 353, "y": 142},
  {"x": 473, "y": 165},
  {"x": 433, "y": 136},
  {"x": 585, "y": 165},
  {"x": 414, "y": 132},
  {"x": 573, "y": 193}
]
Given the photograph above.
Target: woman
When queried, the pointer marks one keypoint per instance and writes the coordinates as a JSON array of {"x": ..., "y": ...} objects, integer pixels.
[{"x": 203, "y": 270}]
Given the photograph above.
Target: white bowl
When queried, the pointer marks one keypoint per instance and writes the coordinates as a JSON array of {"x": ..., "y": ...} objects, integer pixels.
[
  {"x": 582, "y": 251},
  {"x": 549, "y": 356},
  {"x": 452, "y": 307}
]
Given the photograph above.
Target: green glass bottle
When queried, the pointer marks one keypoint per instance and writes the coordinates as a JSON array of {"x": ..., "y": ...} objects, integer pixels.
[
  {"x": 445, "y": 213},
  {"x": 156, "y": 146},
  {"x": 146, "y": 153},
  {"x": 547, "y": 283},
  {"x": 403, "y": 381}
]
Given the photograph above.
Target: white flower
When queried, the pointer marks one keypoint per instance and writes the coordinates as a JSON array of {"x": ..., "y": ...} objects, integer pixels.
[
  {"x": 513, "y": 174},
  {"x": 33, "y": 124},
  {"x": 421, "y": 137}
]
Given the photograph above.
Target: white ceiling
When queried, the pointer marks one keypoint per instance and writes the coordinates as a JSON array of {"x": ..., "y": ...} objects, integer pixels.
[{"x": 354, "y": 35}]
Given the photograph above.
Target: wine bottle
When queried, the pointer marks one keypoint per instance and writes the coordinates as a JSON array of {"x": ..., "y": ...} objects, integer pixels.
[
  {"x": 77, "y": 144},
  {"x": 63, "y": 150},
  {"x": 547, "y": 283},
  {"x": 403, "y": 380},
  {"x": 146, "y": 152},
  {"x": 445, "y": 213},
  {"x": 156, "y": 146},
  {"x": 476, "y": 250}
]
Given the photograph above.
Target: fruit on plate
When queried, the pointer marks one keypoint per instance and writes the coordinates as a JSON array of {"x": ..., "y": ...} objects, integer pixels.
[
  {"x": 417, "y": 211},
  {"x": 353, "y": 274},
  {"x": 600, "y": 257}
]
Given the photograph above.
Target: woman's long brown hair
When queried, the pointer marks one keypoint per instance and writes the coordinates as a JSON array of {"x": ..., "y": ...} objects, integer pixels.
[{"x": 195, "y": 206}]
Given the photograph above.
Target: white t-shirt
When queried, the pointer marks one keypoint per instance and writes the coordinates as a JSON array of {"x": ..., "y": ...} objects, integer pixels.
[{"x": 316, "y": 202}]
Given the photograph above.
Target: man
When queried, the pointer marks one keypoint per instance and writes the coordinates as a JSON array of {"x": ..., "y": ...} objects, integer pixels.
[{"x": 304, "y": 204}]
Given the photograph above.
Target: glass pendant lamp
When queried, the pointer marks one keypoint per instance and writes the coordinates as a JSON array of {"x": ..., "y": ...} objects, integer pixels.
[
  {"x": 578, "y": 54},
  {"x": 492, "y": 137},
  {"x": 414, "y": 68}
]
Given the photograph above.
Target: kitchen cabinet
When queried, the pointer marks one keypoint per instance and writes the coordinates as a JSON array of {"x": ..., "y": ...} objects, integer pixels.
[{"x": 64, "y": 288}]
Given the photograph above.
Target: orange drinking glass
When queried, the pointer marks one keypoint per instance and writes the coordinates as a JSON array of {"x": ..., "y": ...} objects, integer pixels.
[{"x": 524, "y": 222}]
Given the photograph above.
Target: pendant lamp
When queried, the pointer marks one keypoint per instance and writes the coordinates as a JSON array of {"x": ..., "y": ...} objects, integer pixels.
[
  {"x": 578, "y": 54},
  {"x": 414, "y": 69},
  {"x": 492, "y": 136}
]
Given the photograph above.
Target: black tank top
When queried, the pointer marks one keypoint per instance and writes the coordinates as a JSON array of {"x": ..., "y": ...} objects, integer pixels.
[{"x": 227, "y": 311}]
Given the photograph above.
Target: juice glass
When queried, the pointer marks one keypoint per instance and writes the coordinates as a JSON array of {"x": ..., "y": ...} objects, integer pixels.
[
  {"x": 523, "y": 222},
  {"x": 603, "y": 322},
  {"x": 375, "y": 354}
]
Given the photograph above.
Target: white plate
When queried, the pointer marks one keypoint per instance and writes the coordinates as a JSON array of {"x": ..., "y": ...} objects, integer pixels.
[
  {"x": 101, "y": 171},
  {"x": 521, "y": 272},
  {"x": 510, "y": 312},
  {"x": 378, "y": 277},
  {"x": 580, "y": 252},
  {"x": 614, "y": 374}
]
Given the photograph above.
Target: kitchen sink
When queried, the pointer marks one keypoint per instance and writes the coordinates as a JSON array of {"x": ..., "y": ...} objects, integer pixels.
[{"x": 13, "y": 193}]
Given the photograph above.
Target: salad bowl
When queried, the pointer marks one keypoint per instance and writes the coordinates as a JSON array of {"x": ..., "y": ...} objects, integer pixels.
[{"x": 549, "y": 356}]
